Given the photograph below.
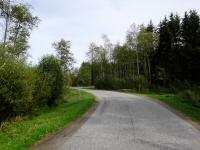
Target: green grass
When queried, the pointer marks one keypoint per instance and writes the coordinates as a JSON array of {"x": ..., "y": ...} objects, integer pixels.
[
  {"x": 22, "y": 133},
  {"x": 177, "y": 102}
]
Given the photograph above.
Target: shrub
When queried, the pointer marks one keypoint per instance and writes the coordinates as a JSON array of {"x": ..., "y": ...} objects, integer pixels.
[
  {"x": 192, "y": 95},
  {"x": 50, "y": 81},
  {"x": 109, "y": 83},
  {"x": 17, "y": 83},
  {"x": 103, "y": 83},
  {"x": 140, "y": 83}
]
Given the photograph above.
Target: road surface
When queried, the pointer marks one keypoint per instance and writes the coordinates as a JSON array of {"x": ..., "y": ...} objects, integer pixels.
[{"x": 128, "y": 122}]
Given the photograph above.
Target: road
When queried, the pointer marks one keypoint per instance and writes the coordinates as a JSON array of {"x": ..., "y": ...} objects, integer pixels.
[{"x": 128, "y": 122}]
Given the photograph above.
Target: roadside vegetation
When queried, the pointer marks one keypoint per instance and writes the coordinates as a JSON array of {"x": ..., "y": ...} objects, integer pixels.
[
  {"x": 35, "y": 100},
  {"x": 163, "y": 58},
  {"x": 182, "y": 101},
  {"x": 26, "y": 88},
  {"x": 182, "y": 104},
  {"x": 22, "y": 132}
]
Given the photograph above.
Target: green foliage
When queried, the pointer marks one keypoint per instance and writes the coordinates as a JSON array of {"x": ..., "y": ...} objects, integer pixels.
[
  {"x": 140, "y": 83},
  {"x": 17, "y": 83},
  {"x": 66, "y": 57},
  {"x": 151, "y": 56},
  {"x": 109, "y": 83},
  {"x": 178, "y": 51},
  {"x": 150, "y": 27},
  {"x": 22, "y": 22},
  {"x": 123, "y": 54},
  {"x": 19, "y": 22},
  {"x": 181, "y": 104},
  {"x": 84, "y": 75},
  {"x": 23, "y": 132},
  {"x": 17, "y": 79},
  {"x": 50, "y": 80},
  {"x": 192, "y": 95}
]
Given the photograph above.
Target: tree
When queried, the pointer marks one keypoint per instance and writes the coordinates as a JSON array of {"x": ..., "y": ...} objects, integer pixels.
[
  {"x": 167, "y": 55},
  {"x": 84, "y": 74},
  {"x": 190, "y": 29},
  {"x": 66, "y": 57},
  {"x": 5, "y": 13},
  {"x": 51, "y": 74},
  {"x": 122, "y": 54},
  {"x": 90, "y": 54},
  {"x": 19, "y": 22},
  {"x": 22, "y": 23},
  {"x": 131, "y": 40},
  {"x": 150, "y": 27},
  {"x": 164, "y": 55},
  {"x": 191, "y": 45},
  {"x": 99, "y": 58},
  {"x": 146, "y": 45},
  {"x": 108, "y": 46}
]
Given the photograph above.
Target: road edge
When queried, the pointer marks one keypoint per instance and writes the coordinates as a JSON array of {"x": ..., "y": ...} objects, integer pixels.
[
  {"x": 185, "y": 117},
  {"x": 190, "y": 120},
  {"x": 69, "y": 129}
]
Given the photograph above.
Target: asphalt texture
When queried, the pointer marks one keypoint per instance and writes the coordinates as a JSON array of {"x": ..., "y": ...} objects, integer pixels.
[{"x": 128, "y": 122}]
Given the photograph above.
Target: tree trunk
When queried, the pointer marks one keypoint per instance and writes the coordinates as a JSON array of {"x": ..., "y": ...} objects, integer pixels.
[
  {"x": 138, "y": 67},
  {"x": 16, "y": 35},
  {"x": 7, "y": 24},
  {"x": 92, "y": 68},
  {"x": 149, "y": 69},
  {"x": 145, "y": 68}
]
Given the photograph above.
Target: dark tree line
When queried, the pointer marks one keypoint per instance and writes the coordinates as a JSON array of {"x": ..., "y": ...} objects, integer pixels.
[
  {"x": 162, "y": 55},
  {"x": 178, "y": 54}
]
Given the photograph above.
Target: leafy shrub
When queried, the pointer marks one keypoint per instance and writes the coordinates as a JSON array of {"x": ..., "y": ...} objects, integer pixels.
[
  {"x": 191, "y": 95},
  {"x": 103, "y": 83},
  {"x": 140, "y": 83},
  {"x": 50, "y": 81},
  {"x": 109, "y": 83},
  {"x": 42, "y": 92},
  {"x": 17, "y": 83},
  {"x": 118, "y": 83}
]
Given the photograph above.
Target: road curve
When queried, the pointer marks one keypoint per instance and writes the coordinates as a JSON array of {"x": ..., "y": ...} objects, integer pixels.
[{"x": 128, "y": 122}]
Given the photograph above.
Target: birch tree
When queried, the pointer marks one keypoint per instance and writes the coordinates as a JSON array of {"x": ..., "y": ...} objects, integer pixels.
[{"x": 64, "y": 53}]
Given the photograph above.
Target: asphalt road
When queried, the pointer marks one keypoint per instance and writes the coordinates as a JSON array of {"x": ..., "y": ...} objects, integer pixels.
[{"x": 127, "y": 122}]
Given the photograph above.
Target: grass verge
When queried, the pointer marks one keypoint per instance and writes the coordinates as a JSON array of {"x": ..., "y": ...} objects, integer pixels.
[
  {"x": 177, "y": 102},
  {"x": 22, "y": 133}
]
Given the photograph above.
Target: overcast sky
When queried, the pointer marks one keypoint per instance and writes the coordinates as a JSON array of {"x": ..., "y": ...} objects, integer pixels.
[{"x": 84, "y": 21}]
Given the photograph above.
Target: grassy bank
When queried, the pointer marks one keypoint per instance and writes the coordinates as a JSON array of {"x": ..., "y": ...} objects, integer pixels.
[
  {"x": 178, "y": 103},
  {"x": 21, "y": 133},
  {"x": 185, "y": 106}
]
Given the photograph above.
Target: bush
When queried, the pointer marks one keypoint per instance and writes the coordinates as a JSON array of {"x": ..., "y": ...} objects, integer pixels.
[
  {"x": 17, "y": 83},
  {"x": 50, "y": 81},
  {"x": 192, "y": 96},
  {"x": 140, "y": 83},
  {"x": 103, "y": 83},
  {"x": 110, "y": 83}
]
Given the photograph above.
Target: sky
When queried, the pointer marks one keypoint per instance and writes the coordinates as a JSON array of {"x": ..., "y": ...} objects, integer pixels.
[{"x": 84, "y": 21}]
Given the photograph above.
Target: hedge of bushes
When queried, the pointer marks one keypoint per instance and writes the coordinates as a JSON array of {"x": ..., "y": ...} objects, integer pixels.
[
  {"x": 192, "y": 95},
  {"x": 138, "y": 83},
  {"x": 50, "y": 80},
  {"x": 24, "y": 89}
]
